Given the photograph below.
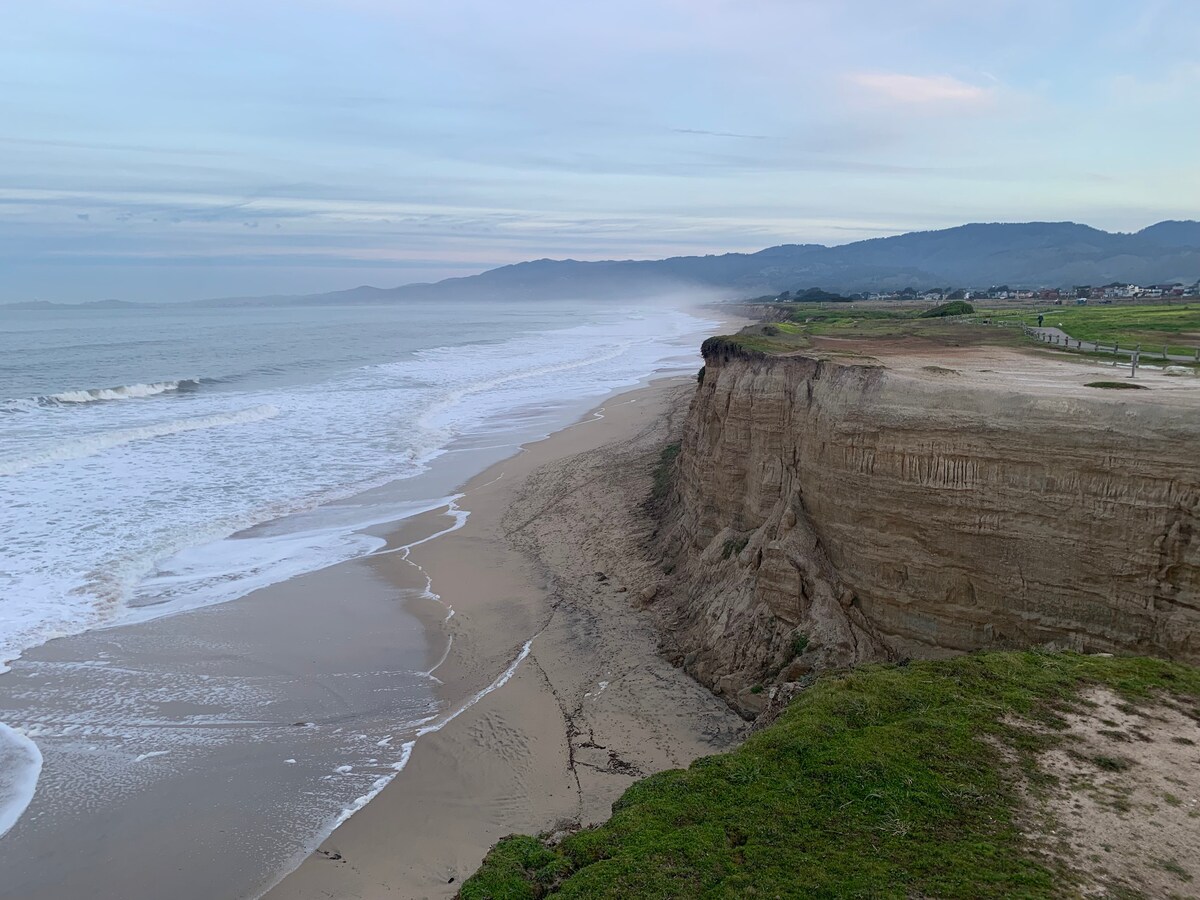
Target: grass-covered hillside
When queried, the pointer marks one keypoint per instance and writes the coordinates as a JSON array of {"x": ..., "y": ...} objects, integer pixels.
[{"x": 904, "y": 781}]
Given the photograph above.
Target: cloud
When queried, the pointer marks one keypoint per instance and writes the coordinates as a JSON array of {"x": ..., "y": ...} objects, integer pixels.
[
  {"x": 728, "y": 134},
  {"x": 928, "y": 92}
]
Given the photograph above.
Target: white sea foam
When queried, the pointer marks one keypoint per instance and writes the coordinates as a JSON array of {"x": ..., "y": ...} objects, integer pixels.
[
  {"x": 95, "y": 395},
  {"x": 113, "y": 514},
  {"x": 223, "y": 570},
  {"x": 124, "y": 392},
  {"x": 98, "y": 443},
  {"x": 438, "y": 724},
  {"x": 20, "y": 767}
]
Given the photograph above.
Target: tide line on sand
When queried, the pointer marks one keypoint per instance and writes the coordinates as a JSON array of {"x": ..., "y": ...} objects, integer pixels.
[
  {"x": 407, "y": 747},
  {"x": 460, "y": 517}
]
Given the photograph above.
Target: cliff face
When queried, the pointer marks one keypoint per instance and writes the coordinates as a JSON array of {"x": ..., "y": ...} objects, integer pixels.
[{"x": 829, "y": 513}]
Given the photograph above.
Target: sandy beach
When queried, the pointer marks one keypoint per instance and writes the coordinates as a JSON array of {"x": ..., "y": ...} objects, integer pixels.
[{"x": 548, "y": 571}]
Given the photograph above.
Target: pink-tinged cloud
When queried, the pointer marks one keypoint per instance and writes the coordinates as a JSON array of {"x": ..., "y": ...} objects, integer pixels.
[{"x": 929, "y": 91}]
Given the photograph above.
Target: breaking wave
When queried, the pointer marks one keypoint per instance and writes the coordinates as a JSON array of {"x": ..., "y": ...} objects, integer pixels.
[
  {"x": 20, "y": 766},
  {"x": 94, "y": 395}
]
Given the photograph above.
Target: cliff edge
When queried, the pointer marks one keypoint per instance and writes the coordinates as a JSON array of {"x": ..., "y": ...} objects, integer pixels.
[{"x": 831, "y": 510}]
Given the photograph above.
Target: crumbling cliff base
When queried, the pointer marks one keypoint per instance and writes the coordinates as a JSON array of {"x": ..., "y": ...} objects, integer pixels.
[{"x": 829, "y": 510}]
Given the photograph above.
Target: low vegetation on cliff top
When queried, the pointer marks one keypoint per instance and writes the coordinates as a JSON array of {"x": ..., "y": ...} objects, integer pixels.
[
  {"x": 889, "y": 781},
  {"x": 802, "y": 324},
  {"x": 958, "y": 324},
  {"x": 1174, "y": 325}
]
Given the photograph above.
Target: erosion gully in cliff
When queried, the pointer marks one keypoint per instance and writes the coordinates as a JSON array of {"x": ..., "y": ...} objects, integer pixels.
[{"x": 829, "y": 510}]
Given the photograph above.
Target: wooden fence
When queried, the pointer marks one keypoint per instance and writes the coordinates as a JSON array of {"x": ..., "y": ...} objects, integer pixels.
[{"x": 1070, "y": 343}]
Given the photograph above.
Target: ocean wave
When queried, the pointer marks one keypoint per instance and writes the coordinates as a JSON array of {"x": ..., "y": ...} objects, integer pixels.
[
  {"x": 98, "y": 443},
  {"x": 20, "y": 767},
  {"x": 95, "y": 395}
]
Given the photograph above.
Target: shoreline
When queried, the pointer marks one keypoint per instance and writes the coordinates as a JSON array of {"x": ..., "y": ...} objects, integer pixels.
[
  {"x": 587, "y": 706},
  {"x": 270, "y": 718}
]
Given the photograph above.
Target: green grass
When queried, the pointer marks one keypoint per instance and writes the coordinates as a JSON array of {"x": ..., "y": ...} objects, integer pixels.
[
  {"x": 1175, "y": 325},
  {"x": 888, "y": 781}
]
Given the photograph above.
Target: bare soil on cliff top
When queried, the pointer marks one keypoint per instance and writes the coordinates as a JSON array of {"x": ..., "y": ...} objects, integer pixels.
[
  {"x": 1125, "y": 806},
  {"x": 1010, "y": 369}
]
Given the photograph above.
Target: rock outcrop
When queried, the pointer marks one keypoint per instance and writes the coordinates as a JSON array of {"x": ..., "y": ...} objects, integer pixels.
[{"x": 828, "y": 513}]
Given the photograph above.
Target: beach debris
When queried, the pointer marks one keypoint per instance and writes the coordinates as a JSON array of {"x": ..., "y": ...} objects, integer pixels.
[
  {"x": 344, "y": 770},
  {"x": 1177, "y": 370},
  {"x": 648, "y": 593},
  {"x": 600, "y": 576},
  {"x": 618, "y": 766}
]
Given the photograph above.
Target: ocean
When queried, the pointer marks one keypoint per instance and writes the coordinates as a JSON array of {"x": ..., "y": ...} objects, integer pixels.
[{"x": 158, "y": 462}]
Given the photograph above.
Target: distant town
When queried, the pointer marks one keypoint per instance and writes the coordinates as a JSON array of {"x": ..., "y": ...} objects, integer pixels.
[{"x": 1078, "y": 294}]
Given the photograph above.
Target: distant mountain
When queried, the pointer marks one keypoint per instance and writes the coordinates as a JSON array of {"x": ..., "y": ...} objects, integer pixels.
[
  {"x": 1032, "y": 254},
  {"x": 1173, "y": 234}
]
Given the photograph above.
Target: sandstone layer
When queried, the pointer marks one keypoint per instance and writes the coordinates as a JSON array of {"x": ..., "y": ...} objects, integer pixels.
[{"x": 830, "y": 512}]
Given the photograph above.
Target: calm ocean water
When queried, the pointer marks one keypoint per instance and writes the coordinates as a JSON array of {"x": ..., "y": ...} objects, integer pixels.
[{"x": 135, "y": 443}]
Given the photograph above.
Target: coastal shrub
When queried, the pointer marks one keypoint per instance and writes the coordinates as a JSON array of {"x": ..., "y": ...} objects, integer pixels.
[
  {"x": 886, "y": 781},
  {"x": 700, "y": 375},
  {"x": 799, "y": 644},
  {"x": 1117, "y": 385},
  {"x": 520, "y": 868}
]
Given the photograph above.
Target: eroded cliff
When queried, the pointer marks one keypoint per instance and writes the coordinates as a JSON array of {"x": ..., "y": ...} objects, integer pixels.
[{"x": 827, "y": 513}]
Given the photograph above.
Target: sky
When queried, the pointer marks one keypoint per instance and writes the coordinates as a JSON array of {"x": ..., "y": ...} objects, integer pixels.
[{"x": 164, "y": 150}]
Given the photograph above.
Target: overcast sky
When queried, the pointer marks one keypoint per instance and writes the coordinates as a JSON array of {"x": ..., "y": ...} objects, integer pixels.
[{"x": 173, "y": 149}]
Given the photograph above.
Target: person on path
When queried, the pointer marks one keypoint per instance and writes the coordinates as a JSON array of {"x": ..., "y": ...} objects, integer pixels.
[{"x": 1040, "y": 317}]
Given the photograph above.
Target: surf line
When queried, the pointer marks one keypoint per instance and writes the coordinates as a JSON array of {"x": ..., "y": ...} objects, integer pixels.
[{"x": 406, "y": 748}]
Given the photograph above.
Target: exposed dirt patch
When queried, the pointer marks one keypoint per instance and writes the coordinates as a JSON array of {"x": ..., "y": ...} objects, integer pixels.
[{"x": 1124, "y": 813}]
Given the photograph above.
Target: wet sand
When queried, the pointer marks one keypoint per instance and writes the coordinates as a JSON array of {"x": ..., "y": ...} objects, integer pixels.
[
  {"x": 195, "y": 756},
  {"x": 167, "y": 743},
  {"x": 591, "y": 706}
]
